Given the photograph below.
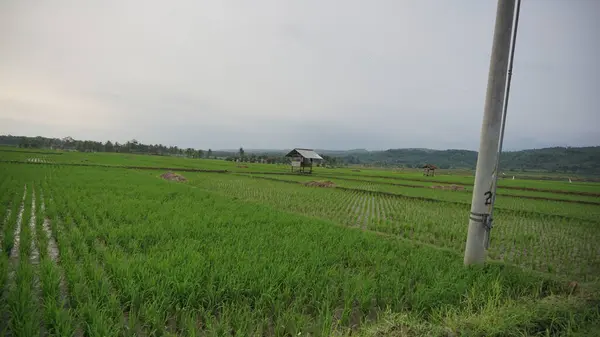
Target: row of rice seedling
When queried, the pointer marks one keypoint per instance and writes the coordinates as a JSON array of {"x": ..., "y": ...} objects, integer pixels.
[
  {"x": 558, "y": 186},
  {"x": 518, "y": 237},
  {"x": 566, "y": 209},
  {"x": 36, "y": 299},
  {"x": 463, "y": 188},
  {"x": 99, "y": 311},
  {"x": 130, "y": 159},
  {"x": 165, "y": 258},
  {"x": 407, "y": 177},
  {"x": 53, "y": 294},
  {"x": 27, "y": 272},
  {"x": 12, "y": 237},
  {"x": 20, "y": 310}
]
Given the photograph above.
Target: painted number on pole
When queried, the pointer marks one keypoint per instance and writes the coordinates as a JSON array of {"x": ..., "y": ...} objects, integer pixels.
[{"x": 488, "y": 197}]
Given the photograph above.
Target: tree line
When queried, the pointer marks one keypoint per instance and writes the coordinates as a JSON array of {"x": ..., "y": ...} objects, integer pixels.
[
  {"x": 136, "y": 147},
  {"x": 132, "y": 146}
]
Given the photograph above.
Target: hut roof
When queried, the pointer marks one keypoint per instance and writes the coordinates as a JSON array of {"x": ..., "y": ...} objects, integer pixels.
[{"x": 304, "y": 153}]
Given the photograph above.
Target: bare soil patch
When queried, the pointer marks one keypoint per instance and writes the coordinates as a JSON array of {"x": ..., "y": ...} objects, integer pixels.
[
  {"x": 448, "y": 187},
  {"x": 6, "y": 219},
  {"x": 53, "y": 251},
  {"x": 173, "y": 176},
  {"x": 242, "y": 166},
  {"x": 14, "y": 253},
  {"x": 319, "y": 184},
  {"x": 35, "y": 253}
]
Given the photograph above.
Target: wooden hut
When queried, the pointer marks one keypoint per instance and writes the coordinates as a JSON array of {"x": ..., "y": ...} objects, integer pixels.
[
  {"x": 302, "y": 159},
  {"x": 429, "y": 170}
]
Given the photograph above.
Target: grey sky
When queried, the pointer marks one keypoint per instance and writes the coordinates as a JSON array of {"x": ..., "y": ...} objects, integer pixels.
[{"x": 277, "y": 74}]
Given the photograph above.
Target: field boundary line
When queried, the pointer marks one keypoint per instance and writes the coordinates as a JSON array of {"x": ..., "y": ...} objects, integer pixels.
[
  {"x": 403, "y": 196},
  {"x": 502, "y": 194},
  {"x": 589, "y": 194},
  {"x": 182, "y": 169},
  {"x": 36, "y": 152},
  {"x": 585, "y": 202},
  {"x": 334, "y": 175}
]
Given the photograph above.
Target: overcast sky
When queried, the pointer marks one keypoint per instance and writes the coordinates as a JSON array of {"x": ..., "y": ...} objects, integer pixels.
[{"x": 301, "y": 73}]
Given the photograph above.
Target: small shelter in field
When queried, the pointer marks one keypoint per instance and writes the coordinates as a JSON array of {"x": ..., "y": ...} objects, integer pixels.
[
  {"x": 429, "y": 170},
  {"x": 303, "y": 159}
]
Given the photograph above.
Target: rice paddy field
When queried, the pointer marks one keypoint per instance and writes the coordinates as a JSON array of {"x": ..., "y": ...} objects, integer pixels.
[{"x": 101, "y": 245}]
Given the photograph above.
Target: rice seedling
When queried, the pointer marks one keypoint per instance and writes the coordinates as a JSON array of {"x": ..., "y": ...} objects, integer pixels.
[{"x": 231, "y": 255}]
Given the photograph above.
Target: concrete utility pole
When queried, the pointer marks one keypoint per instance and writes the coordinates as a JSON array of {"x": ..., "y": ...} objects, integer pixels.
[
  {"x": 479, "y": 219},
  {"x": 504, "y": 111}
]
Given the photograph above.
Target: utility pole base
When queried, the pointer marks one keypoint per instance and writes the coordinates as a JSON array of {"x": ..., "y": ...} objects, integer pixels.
[{"x": 475, "y": 248}]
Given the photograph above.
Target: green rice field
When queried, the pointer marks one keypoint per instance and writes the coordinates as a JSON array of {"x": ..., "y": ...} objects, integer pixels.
[{"x": 99, "y": 244}]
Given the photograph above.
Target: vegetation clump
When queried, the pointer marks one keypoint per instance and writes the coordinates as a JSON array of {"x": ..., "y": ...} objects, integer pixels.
[
  {"x": 173, "y": 176},
  {"x": 319, "y": 184},
  {"x": 448, "y": 187}
]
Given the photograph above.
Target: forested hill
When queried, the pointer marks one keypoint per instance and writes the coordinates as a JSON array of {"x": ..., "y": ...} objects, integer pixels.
[{"x": 584, "y": 160}]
